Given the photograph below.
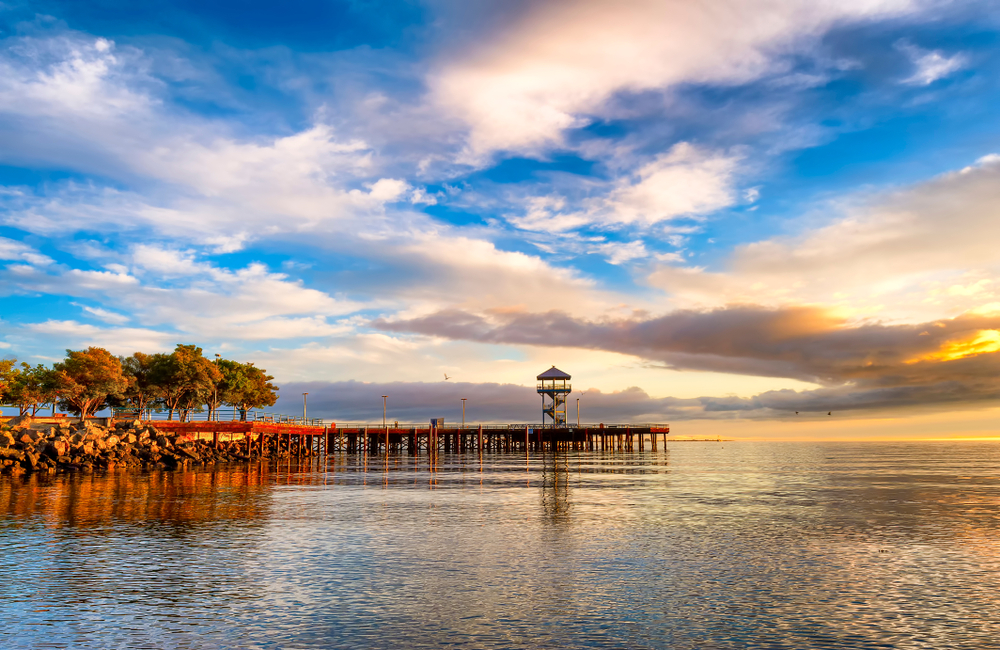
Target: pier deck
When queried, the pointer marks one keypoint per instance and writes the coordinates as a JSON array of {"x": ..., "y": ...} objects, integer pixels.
[{"x": 414, "y": 440}]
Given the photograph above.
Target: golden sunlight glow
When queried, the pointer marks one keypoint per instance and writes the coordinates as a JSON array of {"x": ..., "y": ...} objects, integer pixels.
[{"x": 983, "y": 342}]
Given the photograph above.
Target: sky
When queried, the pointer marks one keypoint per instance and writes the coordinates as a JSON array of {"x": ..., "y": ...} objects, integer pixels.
[{"x": 754, "y": 219}]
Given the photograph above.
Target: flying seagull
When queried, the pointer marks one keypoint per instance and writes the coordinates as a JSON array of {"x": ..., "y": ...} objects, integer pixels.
[{"x": 446, "y": 377}]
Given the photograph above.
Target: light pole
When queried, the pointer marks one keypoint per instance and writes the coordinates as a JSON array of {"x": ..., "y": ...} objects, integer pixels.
[
  {"x": 304, "y": 407},
  {"x": 383, "y": 410},
  {"x": 463, "y": 411},
  {"x": 215, "y": 393},
  {"x": 577, "y": 412}
]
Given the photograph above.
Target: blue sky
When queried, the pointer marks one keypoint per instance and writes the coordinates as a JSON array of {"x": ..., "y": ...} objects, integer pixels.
[{"x": 718, "y": 212}]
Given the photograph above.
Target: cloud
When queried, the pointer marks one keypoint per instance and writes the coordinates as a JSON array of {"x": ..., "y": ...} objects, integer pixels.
[
  {"x": 859, "y": 366},
  {"x": 619, "y": 253},
  {"x": 15, "y": 250},
  {"x": 929, "y": 65},
  {"x": 682, "y": 182},
  {"x": 169, "y": 288},
  {"x": 521, "y": 86},
  {"x": 413, "y": 402},
  {"x": 105, "y": 315},
  {"x": 191, "y": 184},
  {"x": 686, "y": 181},
  {"x": 914, "y": 253},
  {"x": 117, "y": 340}
]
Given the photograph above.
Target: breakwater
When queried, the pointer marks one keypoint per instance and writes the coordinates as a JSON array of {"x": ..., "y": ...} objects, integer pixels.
[{"x": 27, "y": 446}]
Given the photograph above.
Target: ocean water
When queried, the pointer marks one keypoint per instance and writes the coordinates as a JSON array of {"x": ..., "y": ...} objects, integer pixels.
[{"x": 701, "y": 545}]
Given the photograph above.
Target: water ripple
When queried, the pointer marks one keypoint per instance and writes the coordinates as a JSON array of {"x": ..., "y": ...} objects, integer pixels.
[{"x": 740, "y": 545}]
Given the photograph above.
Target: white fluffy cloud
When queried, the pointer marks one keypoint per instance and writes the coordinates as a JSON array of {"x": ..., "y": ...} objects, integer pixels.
[
  {"x": 682, "y": 182},
  {"x": 520, "y": 88},
  {"x": 685, "y": 181},
  {"x": 14, "y": 250},
  {"x": 921, "y": 252}
]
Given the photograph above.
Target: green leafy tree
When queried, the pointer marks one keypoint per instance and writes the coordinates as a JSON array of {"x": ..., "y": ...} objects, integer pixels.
[
  {"x": 87, "y": 379},
  {"x": 31, "y": 388},
  {"x": 246, "y": 386},
  {"x": 184, "y": 378},
  {"x": 143, "y": 392},
  {"x": 7, "y": 374}
]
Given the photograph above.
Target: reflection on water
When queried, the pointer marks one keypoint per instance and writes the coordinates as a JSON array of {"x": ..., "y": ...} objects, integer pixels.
[{"x": 729, "y": 545}]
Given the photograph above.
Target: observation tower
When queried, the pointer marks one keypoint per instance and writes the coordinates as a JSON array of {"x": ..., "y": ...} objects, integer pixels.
[{"x": 554, "y": 385}]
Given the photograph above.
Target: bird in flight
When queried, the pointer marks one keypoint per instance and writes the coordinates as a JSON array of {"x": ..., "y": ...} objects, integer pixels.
[
  {"x": 446, "y": 377},
  {"x": 830, "y": 413}
]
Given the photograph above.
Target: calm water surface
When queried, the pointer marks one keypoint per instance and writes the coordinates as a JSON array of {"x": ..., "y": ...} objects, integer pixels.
[{"x": 704, "y": 545}]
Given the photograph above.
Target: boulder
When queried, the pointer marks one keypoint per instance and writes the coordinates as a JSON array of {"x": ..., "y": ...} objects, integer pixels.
[
  {"x": 21, "y": 421},
  {"x": 12, "y": 454},
  {"x": 56, "y": 448},
  {"x": 30, "y": 460},
  {"x": 111, "y": 441},
  {"x": 83, "y": 449},
  {"x": 6, "y": 440}
]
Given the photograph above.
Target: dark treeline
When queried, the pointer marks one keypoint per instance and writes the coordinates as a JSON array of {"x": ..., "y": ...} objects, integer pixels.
[{"x": 180, "y": 382}]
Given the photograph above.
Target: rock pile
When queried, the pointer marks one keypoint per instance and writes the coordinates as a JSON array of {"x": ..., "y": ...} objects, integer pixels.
[{"x": 85, "y": 446}]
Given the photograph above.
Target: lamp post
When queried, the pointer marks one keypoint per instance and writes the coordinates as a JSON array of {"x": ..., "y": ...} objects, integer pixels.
[
  {"x": 463, "y": 411},
  {"x": 304, "y": 407},
  {"x": 577, "y": 412},
  {"x": 383, "y": 410},
  {"x": 215, "y": 394}
]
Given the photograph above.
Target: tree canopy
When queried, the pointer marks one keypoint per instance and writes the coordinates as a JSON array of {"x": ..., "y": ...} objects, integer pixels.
[
  {"x": 185, "y": 378},
  {"x": 87, "y": 378},
  {"x": 245, "y": 386},
  {"x": 182, "y": 381},
  {"x": 31, "y": 387}
]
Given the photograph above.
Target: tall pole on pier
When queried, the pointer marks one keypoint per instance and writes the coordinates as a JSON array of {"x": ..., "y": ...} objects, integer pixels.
[
  {"x": 304, "y": 407},
  {"x": 463, "y": 411},
  {"x": 577, "y": 412},
  {"x": 383, "y": 410}
]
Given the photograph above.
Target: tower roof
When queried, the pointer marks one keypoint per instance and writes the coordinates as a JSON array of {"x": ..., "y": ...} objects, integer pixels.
[{"x": 553, "y": 373}]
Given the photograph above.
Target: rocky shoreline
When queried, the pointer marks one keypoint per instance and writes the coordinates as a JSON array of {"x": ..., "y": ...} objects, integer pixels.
[{"x": 85, "y": 446}]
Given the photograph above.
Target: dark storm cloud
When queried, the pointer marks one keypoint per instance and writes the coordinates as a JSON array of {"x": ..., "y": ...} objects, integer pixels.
[
  {"x": 358, "y": 402},
  {"x": 354, "y": 401},
  {"x": 867, "y": 366},
  {"x": 413, "y": 402}
]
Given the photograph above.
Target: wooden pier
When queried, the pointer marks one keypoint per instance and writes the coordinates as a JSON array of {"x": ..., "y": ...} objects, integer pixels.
[
  {"x": 361, "y": 439},
  {"x": 413, "y": 440}
]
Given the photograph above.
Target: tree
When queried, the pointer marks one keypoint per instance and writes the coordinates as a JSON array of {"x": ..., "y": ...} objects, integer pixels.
[
  {"x": 30, "y": 388},
  {"x": 244, "y": 386},
  {"x": 142, "y": 392},
  {"x": 7, "y": 374},
  {"x": 86, "y": 379},
  {"x": 184, "y": 378}
]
